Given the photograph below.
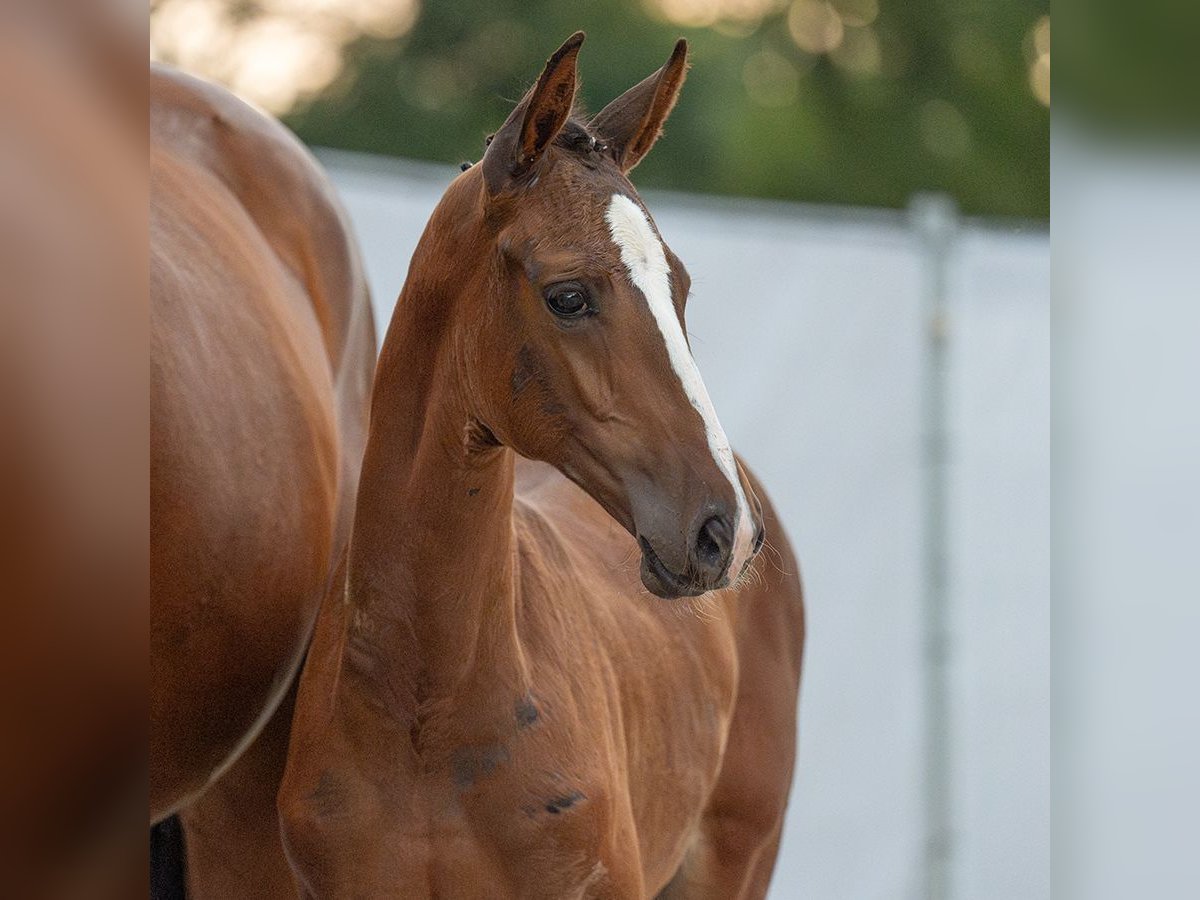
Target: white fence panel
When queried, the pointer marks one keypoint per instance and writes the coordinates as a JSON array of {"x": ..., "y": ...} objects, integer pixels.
[
  {"x": 999, "y": 530},
  {"x": 811, "y": 328}
]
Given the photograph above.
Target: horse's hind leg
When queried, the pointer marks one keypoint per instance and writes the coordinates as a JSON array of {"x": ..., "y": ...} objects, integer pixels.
[{"x": 231, "y": 834}]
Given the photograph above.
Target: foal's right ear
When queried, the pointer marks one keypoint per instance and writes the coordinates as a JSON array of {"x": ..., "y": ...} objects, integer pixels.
[
  {"x": 532, "y": 126},
  {"x": 633, "y": 122}
]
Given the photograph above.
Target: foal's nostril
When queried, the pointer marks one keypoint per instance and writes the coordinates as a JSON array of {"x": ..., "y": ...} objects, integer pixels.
[
  {"x": 759, "y": 536},
  {"x": 713, "y": 544}
]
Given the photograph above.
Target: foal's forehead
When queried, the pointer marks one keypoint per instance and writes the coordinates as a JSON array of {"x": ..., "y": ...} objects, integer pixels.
[
  {"x": 576, "y": 220},
  {"x": 577, "y": 212}
]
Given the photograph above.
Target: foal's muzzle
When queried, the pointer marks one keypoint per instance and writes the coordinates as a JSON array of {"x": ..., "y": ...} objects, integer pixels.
[{"x": 706, "y": 561}]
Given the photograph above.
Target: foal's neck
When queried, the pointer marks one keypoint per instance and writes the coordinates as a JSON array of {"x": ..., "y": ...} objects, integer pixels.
[{"x": 431, "y": 573}]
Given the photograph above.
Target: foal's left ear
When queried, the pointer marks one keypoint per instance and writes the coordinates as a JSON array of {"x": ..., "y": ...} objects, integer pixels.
[
  {"x": 632, "y": 123},
  {"x": 532, "y": 126}
]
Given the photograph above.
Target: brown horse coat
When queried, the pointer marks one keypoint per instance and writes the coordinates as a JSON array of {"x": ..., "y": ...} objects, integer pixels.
[
  {"x": 262, "y": 349},
  {"x": 495, "y": 705}
]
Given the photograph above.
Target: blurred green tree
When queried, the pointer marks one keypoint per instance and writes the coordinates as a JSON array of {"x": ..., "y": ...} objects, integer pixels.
[{"x": 837, "y": 101}]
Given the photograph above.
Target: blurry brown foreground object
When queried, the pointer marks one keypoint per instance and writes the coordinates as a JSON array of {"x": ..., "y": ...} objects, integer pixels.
[
  {"x": 494, "y": 704},
  {"x": 73, "y": 426},
  {"x": 261, "y": 353}
]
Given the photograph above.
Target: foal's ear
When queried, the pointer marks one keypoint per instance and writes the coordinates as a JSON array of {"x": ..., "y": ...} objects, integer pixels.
[
  {"x": 632, "y": 123},
  {"x": 532, "y": 126}
]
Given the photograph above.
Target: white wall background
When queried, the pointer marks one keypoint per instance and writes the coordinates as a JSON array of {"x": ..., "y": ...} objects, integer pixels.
[{"x": 815, "y": 330}]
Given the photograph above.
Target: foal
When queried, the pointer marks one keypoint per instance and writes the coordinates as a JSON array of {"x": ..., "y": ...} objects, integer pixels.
[{"x": 493, "y": 705}]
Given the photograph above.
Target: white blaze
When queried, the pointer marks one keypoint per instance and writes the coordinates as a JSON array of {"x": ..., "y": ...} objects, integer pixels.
[{"x": 643, "y": 255}]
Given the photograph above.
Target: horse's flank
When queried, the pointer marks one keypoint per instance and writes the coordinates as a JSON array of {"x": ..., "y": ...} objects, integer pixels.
[{"x": 262, "y": 350}]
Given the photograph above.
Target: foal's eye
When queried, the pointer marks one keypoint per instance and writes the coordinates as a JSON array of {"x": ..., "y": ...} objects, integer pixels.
[{"x": 568, "y": 301}]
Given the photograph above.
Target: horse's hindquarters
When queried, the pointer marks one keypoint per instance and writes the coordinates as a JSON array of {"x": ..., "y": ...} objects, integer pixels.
[{"x": 244, "y": 480}]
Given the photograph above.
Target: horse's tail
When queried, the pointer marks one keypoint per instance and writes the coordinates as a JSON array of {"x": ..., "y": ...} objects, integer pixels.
[{"x": 167, "y": 861}]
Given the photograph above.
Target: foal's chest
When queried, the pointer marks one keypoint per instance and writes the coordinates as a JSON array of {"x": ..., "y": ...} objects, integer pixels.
[
  {"x": 555, "y": 805},
  {"x": 488, "y": 830}
]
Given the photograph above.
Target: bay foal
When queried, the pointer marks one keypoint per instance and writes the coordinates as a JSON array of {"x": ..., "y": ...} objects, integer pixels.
[
  {"x": 261, "y": 354},
  {"x": 494, "y": 704}
]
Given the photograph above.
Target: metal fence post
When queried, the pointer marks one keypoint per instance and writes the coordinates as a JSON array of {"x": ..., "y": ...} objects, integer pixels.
[{"x": 934, "y": 219}]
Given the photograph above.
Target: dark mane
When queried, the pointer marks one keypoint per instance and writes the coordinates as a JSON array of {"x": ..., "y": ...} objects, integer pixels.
[{"x": 575, "y": 136}]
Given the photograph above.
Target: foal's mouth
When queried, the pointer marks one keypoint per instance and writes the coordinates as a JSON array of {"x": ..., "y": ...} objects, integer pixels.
[{"x": 662, "y": 582}]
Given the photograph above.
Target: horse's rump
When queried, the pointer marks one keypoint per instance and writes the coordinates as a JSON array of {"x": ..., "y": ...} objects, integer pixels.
[{"x": 261, "y": 353}]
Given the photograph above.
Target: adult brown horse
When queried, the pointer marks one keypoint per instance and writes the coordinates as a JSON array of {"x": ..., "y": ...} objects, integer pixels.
[
  {"x": 493, "y": 704},
  {"x": 262, "y": 349}
]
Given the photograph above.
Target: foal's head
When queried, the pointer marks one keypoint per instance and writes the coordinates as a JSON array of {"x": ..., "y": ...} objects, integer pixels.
[{"x": 576, "y": 353}]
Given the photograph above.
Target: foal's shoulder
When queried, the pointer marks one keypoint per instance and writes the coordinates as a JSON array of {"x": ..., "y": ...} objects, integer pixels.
[
  {"x": 556, "y": 515},
  {"x": 543, "y": 491}
]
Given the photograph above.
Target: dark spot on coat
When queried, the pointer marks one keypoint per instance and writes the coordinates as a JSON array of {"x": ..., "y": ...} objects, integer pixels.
[
  {"x": 558, "y": 804},
  {"x": 471, "y": 492},
  {"x": 328, "y": 798},
  {"x": 526, "y": 712},
  {"x": 469, "y": 764}
]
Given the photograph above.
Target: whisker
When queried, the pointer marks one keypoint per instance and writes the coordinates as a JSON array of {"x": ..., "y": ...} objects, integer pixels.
[{"x": 767, "y": 545}]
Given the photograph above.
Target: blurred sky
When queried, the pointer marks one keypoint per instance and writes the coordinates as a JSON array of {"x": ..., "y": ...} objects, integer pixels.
[{"x": 840, "y": 101}]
